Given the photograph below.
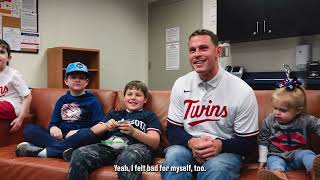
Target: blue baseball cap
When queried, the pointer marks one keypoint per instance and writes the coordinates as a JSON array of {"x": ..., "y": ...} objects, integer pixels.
[{"x": 77, "y": 67}]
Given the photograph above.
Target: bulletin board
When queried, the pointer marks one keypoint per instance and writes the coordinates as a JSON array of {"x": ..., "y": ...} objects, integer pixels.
[{"x": 19, "y": 19}]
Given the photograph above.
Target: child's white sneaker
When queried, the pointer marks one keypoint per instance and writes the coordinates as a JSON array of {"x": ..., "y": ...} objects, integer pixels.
[{"x": 26, "y": 149}]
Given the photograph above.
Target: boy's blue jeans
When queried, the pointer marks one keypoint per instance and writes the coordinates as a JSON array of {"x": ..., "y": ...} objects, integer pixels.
[
  {"x": 41, "y": 137},
  {"x": 224, "y": 166},
  {"x": 302, "y": 159}
]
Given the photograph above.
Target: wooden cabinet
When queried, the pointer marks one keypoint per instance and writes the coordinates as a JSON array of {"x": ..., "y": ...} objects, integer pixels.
[
  {"x": 249, "y": 20},
  {"x": 60, "y": 57}
]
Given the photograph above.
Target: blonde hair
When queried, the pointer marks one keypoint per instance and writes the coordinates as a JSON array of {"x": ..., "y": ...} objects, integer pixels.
[{"x": 296, "y": 98}]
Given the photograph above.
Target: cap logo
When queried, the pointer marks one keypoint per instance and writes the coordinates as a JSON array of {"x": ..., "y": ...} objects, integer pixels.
[
  {"x": 76, "y": 67},
  {"x": 80, "y": 66}
]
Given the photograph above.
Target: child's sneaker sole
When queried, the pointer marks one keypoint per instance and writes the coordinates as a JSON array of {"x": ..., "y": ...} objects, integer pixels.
[
  {"x": 264, "y": 174},
  {"x": 315, "y": 171},
  {"x": 26, "y": 149},
  {"x": 67, "y": 154}
]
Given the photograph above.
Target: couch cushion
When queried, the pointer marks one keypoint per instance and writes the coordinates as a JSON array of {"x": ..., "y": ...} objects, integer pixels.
[
  {"x": 12, "y": 167},
  {"x": 33, "y": 168},
  {"x": 313, "y": 99},
  {"x": 42, "y": 104},
  {"x": 12, "y": 138},
  {"x": 106, "y": 98}
]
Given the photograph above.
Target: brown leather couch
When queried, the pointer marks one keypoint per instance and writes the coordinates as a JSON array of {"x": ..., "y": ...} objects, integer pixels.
[{"x": 43, "y": 101}]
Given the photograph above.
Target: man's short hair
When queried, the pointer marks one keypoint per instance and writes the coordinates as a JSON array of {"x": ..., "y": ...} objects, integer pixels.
[{"x": 213, "y": 37}]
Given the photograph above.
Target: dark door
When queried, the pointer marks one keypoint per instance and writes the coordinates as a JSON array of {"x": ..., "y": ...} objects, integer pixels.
[
  {"x": 283, "y": 18},
  {"x": 311, "y": 14}
]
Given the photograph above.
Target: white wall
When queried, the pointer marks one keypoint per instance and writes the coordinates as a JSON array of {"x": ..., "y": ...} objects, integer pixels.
[
  {"x": 119, "y": 28},
  {"x": 185, "y": 14}
]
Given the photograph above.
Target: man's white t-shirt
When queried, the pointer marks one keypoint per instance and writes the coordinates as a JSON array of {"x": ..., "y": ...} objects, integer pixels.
[
  {"x": 223, "y": 107},
  {"x": 13, "y": 88}
]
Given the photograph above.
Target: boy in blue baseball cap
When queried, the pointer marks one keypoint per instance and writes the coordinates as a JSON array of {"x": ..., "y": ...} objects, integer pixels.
[
  {"x": 77, "y": 70},
  {"x": 73, "y": 115}
]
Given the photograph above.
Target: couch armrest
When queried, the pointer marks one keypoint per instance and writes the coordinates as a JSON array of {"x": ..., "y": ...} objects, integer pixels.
[{"x": 13, "y": 138}]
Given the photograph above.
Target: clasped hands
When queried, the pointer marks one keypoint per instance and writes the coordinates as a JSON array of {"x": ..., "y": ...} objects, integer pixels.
[
  {"x": 124, "y": 126},
  {"x": 204, "y": 148}
]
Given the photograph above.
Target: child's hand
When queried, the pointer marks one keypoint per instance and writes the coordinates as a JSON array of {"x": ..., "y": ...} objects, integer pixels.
[
  {"x": 111, "y": 124},
  {"x": 72, "y": 132},
  {"x": 16, "y": 124},
  {"x": 261, "y": 165},
  {"x": 126, "y": 128},
  {"x": 56, "y": 132}
]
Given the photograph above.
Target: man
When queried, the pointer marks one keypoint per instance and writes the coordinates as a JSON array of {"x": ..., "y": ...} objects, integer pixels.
[{"x": 212, "y": 118}]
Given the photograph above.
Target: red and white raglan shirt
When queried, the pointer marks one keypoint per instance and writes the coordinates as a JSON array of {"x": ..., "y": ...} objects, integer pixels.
[
  {"x": 13, "y": 88},
  {"x": 224, "y": 107}
]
